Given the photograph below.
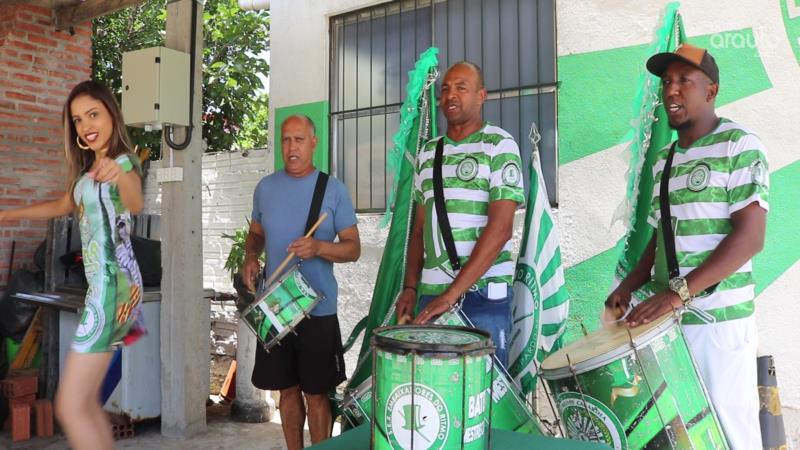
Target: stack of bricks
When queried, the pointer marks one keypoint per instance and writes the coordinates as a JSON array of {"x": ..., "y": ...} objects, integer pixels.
[
  {"x": 38, "y": 68},
  {"x": 20, "y": 390}
]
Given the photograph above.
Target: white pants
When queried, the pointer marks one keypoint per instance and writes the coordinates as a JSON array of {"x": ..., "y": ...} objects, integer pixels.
[{"x": 725, "y": 354}]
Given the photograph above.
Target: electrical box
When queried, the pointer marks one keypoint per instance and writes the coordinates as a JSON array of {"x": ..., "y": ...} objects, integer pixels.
[{"x": 155, "y": 88}]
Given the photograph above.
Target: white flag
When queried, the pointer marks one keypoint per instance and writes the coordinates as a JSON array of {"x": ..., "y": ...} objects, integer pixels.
[{"x": 541, "y": 302}]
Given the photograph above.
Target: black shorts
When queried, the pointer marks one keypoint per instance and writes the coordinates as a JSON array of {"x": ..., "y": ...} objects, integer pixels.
[{"x": 312, "y": 359}]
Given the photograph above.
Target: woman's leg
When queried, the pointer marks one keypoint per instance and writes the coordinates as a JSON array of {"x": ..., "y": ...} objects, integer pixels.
[{"x": 78, "y": 405}]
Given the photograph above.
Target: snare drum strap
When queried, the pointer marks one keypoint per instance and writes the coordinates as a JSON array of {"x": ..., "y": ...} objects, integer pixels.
[
  {"x": 666, "y": 216},
  {"x": 316, "y": 201},
  {"x": 666, "y": 221},
  {"x": 441, "y": 209}
]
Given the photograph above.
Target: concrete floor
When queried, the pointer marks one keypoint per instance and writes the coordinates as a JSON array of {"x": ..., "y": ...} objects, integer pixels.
[{"x": 222, "y": 433}]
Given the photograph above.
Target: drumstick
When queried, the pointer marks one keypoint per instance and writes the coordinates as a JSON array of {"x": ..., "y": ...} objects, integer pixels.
[{"x": 289, "y": 257}]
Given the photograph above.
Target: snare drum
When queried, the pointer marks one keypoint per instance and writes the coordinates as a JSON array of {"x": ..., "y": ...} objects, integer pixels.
[
  {"x": 432, "y": 388},
  {"x": 357, "y": 404},
  {"x": 280, "y": 308},
  {"x": 633, "y": 389}
]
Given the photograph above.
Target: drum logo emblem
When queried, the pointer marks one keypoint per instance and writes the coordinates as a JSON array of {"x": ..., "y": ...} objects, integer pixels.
[
  {"x": 587, "y": 419},
  {"x": 304, "y": 288},
  {"x": 90, "y": 326},
  {"x": 423, "y": 421}
]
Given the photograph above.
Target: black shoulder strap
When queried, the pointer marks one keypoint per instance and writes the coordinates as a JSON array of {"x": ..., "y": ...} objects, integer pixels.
[
  {"x": 316, "y": 201},
  {"x": 441, "y": 209},
  {"x": 666, "y": 222},
  {"x": 666, "y": 216}
]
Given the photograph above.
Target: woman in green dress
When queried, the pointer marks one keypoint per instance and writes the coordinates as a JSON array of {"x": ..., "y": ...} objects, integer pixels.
[{"x": 105, "y": 188}]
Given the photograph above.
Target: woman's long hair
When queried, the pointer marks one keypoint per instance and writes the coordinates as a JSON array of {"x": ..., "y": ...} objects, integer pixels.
[{"x": 79, "y": 160}]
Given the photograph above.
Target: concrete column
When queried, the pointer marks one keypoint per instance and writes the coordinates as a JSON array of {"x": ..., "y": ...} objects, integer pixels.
[
  {"x": 252, "y": 404},
  {"x": 184, "y": 312}
]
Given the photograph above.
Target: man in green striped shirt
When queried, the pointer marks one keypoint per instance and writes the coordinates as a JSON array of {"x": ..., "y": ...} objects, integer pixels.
[
  {"x": 718, "y": 197},
  {"x": 482, "y": 186}
]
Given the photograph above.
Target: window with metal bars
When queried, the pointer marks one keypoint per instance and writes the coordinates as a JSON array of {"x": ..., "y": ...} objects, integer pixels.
[{"x": 372, "y": 51}]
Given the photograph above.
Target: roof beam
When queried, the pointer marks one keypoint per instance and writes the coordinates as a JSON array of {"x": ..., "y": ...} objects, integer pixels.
[{"x": 68, "y": 16}]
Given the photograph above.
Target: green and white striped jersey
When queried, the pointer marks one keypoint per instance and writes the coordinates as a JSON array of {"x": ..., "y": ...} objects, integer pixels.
[
  {"x": 483, "y": 167},
  {"x": 716, "y": 176}
]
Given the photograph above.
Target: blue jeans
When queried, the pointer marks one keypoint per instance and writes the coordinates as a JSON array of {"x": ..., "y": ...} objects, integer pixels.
[{"x": 493, "y": 316}]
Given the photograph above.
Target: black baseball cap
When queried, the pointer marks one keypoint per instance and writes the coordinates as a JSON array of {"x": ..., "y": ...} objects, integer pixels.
[{"x": 689, "y": 54}]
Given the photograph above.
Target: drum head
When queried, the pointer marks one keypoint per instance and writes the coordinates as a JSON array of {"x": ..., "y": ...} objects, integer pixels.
[
  {"x": 603, "y": 346},
  {"x": 431, "y": 339}
]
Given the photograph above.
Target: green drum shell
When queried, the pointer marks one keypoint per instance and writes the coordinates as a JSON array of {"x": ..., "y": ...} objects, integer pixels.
[
  {"x": 509, "y": 410},
  {"x": 289, "y": 300},
  {"x": 431, "y": 395},
  {"x": 652, "y": 397}
]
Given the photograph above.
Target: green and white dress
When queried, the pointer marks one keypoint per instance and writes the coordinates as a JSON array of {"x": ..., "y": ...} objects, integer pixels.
[{"x": 112, "y": 314}]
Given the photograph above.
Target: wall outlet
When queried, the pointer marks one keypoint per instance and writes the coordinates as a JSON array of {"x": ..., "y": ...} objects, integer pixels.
[{"x": 169, "y": 174}]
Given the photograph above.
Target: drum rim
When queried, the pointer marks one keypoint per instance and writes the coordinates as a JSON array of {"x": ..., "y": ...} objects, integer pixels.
[
  {"x": 359, "y": 390},
  {"x": 391, "y": 345},
  {"x": 595, "y": 362}
]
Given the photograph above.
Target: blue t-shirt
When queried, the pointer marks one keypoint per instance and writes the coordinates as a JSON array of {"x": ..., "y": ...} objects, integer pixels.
[{"x": 280, "y": 204}]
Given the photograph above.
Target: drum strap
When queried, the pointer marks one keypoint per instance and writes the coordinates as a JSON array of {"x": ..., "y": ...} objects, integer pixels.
[
  {"x": 441, "y": 209},
  {"x": 666, "y": 221},
  {"x": 666, "y": 216},
  {"x": 316, "y": 201}
]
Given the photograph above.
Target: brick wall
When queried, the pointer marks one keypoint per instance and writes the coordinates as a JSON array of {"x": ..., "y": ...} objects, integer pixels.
[{"x": 38, "y": 67}]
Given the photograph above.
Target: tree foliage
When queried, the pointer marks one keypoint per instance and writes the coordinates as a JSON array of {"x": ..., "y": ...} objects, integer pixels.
[{"x": 235, "y": 104}]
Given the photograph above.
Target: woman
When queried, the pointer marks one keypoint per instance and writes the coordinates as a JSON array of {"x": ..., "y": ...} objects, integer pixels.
[{"x": 104, "y": 191}]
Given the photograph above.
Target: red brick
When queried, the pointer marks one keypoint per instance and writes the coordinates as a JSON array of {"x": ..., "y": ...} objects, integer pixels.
[
  {"x": 44, "y": 418},
  {"x": 23, "y": 400},
  {"x": 21, "y": 423},
  {"x": 42, "y": 40},
  {"x": 17, "y": 386},
  {"x": 28, "y": 78},
  {"x": 21, "y": 96}
]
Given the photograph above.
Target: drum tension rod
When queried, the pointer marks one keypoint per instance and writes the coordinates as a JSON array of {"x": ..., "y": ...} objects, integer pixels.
[
  {"x": 667, "y": 427},
  {"x": 583, "y": 397}
]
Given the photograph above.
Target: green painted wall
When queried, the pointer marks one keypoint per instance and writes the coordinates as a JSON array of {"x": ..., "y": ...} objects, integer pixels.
[
  {"x": 597, "y": 89},
  {"x": 792, "y": 26},
  {"x": 588, "y": 282},
  {"x": 318, "y": 112}
]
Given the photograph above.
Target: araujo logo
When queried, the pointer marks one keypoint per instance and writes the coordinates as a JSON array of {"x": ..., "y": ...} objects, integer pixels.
[
  {"x": 698, "y": 178},
  {"x": 589, "y": 420},
  {"x": 467, "y": 169},
  {"x": 425, "y": 421}
]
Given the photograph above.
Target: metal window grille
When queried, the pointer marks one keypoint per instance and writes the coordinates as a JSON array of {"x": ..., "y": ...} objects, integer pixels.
[{"x": 373, "y": 49}]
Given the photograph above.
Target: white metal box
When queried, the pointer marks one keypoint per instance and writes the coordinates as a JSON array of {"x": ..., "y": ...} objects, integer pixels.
[{"x": 155, "y": 87}]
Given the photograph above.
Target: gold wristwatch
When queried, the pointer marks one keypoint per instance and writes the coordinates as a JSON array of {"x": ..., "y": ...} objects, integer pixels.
[{"x": 679, "y": 286}]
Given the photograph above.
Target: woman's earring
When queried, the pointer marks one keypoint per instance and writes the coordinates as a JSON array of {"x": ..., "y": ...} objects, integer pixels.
[{"x": 78, "y": 141}]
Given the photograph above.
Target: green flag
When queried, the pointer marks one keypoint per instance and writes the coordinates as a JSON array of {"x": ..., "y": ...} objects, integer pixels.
[
  {"x": 417, "y": 126},
  {"x": 651, "y": 133}
]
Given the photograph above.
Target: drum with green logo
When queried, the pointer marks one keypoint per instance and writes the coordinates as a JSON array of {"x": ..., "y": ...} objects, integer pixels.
[
  {"x": 509, "y": 409},
  {"x": 633, "y": 389},
  {"x": 281, "y": 307},
  {"x": 432, "y": 388}
]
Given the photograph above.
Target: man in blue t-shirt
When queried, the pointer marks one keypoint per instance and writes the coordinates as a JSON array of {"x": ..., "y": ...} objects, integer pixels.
[{"x": 310, "y": 362}]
